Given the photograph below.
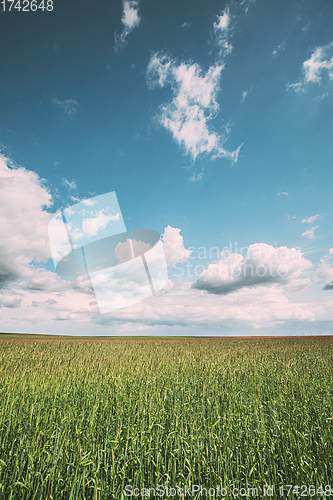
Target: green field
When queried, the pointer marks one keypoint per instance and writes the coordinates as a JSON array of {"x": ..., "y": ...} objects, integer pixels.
[{"x": 83, "y": 418}]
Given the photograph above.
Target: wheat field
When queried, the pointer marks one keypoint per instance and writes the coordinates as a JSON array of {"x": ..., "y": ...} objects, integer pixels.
[{"x": 84, "y": 418}]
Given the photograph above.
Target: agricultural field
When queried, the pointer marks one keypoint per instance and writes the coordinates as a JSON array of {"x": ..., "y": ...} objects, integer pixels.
[{"x": 85, "y": 418}]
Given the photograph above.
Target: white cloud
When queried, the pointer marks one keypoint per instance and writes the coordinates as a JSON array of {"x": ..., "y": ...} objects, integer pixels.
[
  {"x": 89, "y": 202},
  {"x": 247, "y": 4},
  {"x": 311, "y": 219},
  {"x": 69, "y": 184},
  {"x": 130, "y": 20},
  {"x": 176, "y": 306},
  {"x": 44, "y": 280},
  {"x": 223, "y": 21},
  {"x": 31, "y": 295},
  {"x": 186, "y": 25},
  {"x": 222, "y": 32},
  {"x": 318, "y": 63},
  {"x": 179, "y": 305},
  {"x": 86, "y": 201},
  {"x": 92, "y": 225},
  {"x": 197, "y": 177},
  {"x": 223, "y": 26},
  {"x": 10, "y": 301},
  {"x": 129, "y": 249},
  {"x": 70, "y": 106},
  {"x": 83, "y": 284},
  {"x": 42, "y": 299},
  {"x": 279, "y": 48},
  {"x": 298, "y": 87},
  {"x": 263, "y": 265},
  {"x": 130, "y": 17},
  {"x": 193, "y": 106},
  {"x": 245, "y": 93},
  {"x": 325, "y": 270},
  {"x": 174, "y": 248},
  {"x": 24, "y": 239},
  {"x": 309, "y": 233},
  {"x": 316, "y": 67},
  {"x": 321, "y": 97},
  {"x": 23, "y": 222},
  {"x": 89, "y": 226},
  {"x": 285, "y": 193}
]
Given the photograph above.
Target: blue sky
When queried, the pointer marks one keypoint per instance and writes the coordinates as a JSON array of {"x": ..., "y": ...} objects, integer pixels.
[{"x": 212, "y": 119}]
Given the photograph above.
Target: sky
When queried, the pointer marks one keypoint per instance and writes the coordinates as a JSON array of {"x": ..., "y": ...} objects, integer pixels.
[{"x": 212, "y": 123}]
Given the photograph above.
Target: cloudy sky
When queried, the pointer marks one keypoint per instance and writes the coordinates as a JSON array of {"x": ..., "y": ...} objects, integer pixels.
[{"x": 212, "y": 122}]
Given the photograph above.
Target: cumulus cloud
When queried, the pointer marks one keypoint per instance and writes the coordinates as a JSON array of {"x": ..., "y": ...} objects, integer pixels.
[
  {"x": 10, "y": 301},
  {"x": 314, "y": 69},
  {"x": 23, "y": 222},
  {"x": 193, "y": 106},
  {"x": 263, "y": 265},
  {"x": 130, "y": 20},
  {"x": 326, "y": 273},
  {"x": 175, "y": 309},
  {"x": 325, "y": 270},
  {"x": 179, "y": 305},
  {"x": 309, "y": 233},
  {"x": 44, "y": 280},
  {"x": 130, "y": 248},
  {"x": 24, "y": 240},
  {"x": 176, "y": 306},
  {"x": 41, "y": 298},
  {"x": 69, "y": 106},
  {"x": 174, "y": 248},
  {"x": 83, "y": 284},
  {"x": 47, "y": 303},
  {"x": 31, "y": 295}
]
